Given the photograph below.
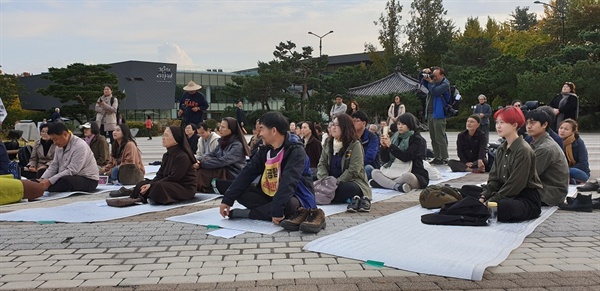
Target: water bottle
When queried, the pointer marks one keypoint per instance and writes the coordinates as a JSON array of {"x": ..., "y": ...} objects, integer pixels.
[{"x": 493, "y": 210}]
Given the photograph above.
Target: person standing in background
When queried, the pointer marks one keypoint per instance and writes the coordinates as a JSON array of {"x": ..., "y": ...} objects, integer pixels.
[
  {"x": 483, "y": 110},
  {"x": 192, "y": 105},
  {"x": 240, "y": 115},
  {"x": 106, "y": 112},
  {"x": 149, "y": 127}
]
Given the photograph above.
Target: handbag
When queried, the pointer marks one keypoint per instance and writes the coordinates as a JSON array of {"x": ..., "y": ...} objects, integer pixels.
[
  {"x": 396, "y": 169},
  {"x": 325, "y": 189}
]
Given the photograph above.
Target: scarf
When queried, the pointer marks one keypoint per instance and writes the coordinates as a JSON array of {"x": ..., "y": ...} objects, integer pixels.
[
  {"x": 337, "y": 146},
  {"x": 400, "y": 140},
  {"x": 569, "y": 149},
  {"x": 88, "y": 139}
]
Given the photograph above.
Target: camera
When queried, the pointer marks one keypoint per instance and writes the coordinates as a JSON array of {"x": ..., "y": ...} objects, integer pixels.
[
  {"x": 450, "y": 111},
  {"x": 426, "y": 75}
]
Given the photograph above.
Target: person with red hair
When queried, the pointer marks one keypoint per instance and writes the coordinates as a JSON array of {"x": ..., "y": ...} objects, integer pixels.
[{"x": 513, "y": 181}]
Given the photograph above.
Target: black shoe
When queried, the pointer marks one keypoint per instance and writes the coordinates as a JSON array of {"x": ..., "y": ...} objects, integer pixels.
[
  {"x": 239, "y": 213},
  {"x": 374, "y": 184},
  {"x": 155, "y": 163},
  {"x": 596, "y": 203},
  {"x": 354, "y": 204},
  {"x": 437, "y": 161},
  {"x": 365, "y": 204},
  {"x": 589, "y": 187},
  {"x": 582, "y": 203},
  {"x": 122, "y": 192},
  {"x": 457, "y": 166}
]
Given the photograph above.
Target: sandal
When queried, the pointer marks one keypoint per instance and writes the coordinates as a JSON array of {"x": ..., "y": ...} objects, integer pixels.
[{"x": 123, "y": 202}]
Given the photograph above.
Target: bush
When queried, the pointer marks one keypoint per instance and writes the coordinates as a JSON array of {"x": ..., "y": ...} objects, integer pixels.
[
  {"x": 212, "y": 123},
  {"x": 590, "y": 122}
]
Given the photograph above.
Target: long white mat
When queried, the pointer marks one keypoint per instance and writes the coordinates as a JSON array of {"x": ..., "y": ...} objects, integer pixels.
[
  {"x": 401, "y": 241},
  {"x": 213, "y": 218},
  {"x": 93, "y": 211},
  {"x": 447, "y": 176}
]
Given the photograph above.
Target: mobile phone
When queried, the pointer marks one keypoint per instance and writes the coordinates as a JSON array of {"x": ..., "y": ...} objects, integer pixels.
[{"x": 386, "y": 131}]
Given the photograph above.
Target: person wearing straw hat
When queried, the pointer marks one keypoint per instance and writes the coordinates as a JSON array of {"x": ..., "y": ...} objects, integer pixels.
[{"x": 192, "y": 105}]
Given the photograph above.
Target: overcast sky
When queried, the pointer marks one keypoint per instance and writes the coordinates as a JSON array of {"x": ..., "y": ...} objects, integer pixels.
[{"x": 229, "y": 35}]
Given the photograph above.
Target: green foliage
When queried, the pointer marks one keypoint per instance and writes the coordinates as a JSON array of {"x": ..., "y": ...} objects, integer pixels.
[
  {"x": 376, "y": 107},
  {"x": 590, "y": 122},
  {"x": 212, "y": 123},
  {"x": 522, "y": 19},
  {"x": 78, "y": 87}
]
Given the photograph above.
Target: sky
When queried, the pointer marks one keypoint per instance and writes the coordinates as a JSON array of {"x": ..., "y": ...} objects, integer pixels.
[{"x": 198, "y": 34}]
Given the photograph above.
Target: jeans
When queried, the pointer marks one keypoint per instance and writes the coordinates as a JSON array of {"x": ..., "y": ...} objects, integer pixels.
[
  {"x": 114, "y": 174},
  {"x": 368, "y": 170},
  {"x": 578, "y": 174}
]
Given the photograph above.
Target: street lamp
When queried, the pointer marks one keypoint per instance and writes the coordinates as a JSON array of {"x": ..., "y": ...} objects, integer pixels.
[
  {"x": 562, "y": 17},
  {"x": 321, "y": 40}
]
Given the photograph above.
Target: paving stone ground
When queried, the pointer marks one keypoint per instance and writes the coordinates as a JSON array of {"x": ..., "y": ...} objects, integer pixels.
[{"x": 145, "y": 252}]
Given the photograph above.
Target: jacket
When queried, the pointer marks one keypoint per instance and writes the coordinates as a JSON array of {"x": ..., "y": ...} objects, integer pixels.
[
  {"x": 313, "y": 151},
  {"x": 188, "y": 102},
  {"x": 439, "y": 94},
  {"x": 471, "y": 148},
  {"x": 414, "y": 153},
  {"x": 38, "y": 158},
  {"x": 401, "y": 110},
  {"x": 99, "y": 147},
  {"x": 552, "y": 168},
  {"x": 176, "y": 167},
  {"x": 486, "y": 109},
  {"x": 232, "y": 158},
  {"x": 569, "y": 109},
  {"x": 370, "y": 143},
  {"x": 295, "y": 179},
  {"x": 131, "y": 155},
  {"x": 580, "y": 154},
  {"x": 207, "y": 146},
  {"x": 107, "y": 114},
  {"x": 353, "y": 167}
]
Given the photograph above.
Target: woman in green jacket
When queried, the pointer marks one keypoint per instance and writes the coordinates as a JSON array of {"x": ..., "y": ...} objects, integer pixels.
[{"x": 342, "y": 157}]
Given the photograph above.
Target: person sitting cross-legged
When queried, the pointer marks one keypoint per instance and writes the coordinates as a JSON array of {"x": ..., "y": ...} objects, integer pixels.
[
  {"x": 402, "y": 151},
  {"x": 175, "y": 180},
  {"x": 471, "y": 147},
  {"x": 284, "y": 194}
]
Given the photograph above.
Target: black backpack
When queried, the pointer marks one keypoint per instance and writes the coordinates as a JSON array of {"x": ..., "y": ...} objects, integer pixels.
[
  {"x": 468, "y": 211},
  {"x": 453, "y": 102},
  {"x": 24, "y": 154}
]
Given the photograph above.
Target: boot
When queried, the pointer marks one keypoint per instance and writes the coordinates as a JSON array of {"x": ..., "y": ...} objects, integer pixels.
[
  {"x": 293, "y": 223},
  {"x": 582, "y": 203},
  {"x": 315, "y": 221}
]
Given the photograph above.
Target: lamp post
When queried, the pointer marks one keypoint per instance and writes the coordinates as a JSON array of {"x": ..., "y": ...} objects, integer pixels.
[
  {"x": 321, "y": 40},
  {"x": 562, "y": 17}
]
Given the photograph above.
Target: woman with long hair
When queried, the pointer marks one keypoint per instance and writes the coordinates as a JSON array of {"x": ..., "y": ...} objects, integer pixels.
[
  {"x": 97, "y": 142},
  {"x": 125, "y": 163},
  {"x": 396, "y": 109},
  {"x": 227, "y": 160},
  {"x": 106, "y": 112},
  {"x": 343, "y": 158},
  {"x": 576, "y": 152},
  {"x": 312, "y": 145},
  {"x": 565, "y": 104},
  {"x": 352, "y": 107},
  {"x": 175, "y": 180},
  {"x": 41, "y": 155},
  {"x": 402, "y": 154}
]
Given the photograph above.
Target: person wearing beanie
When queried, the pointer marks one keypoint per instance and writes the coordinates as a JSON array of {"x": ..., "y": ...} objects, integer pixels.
[{"x": 471, "y": 148}]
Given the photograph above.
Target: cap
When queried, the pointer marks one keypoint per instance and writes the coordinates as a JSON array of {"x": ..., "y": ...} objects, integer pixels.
[{"x": 86, "y": 125}]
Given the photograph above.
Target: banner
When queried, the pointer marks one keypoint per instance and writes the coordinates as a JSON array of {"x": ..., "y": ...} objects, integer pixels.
[{"x": 3, "y": 112}]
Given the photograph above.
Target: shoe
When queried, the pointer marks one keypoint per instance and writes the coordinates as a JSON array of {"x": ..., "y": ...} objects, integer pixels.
[
  {"x": 582, "y": 203},
  {"x": 354, "y": 204},
  {"x": 155, "y": 163},
  {"x": 437, "y": 161},
  {"x": 213, "y": 183},
  {"x": 122, "y": 192},
  {"x": 403, "y": 187},
  {"x": 365, "y": 204},
  {"x": 123, "y": 202},
  {"x": 596, "y": 203},
  {"x": 315, "y": 221},
  {"x": 238, "y": 213},
  {"x": 374, "y": 184},
  {"x": 457, "y": 166},
  {"x": 589, "y": 187},
  {"x": 293, "y": 223}
]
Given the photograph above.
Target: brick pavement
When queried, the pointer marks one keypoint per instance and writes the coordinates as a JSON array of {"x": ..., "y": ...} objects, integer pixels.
[{"x": 146, "y": 252}]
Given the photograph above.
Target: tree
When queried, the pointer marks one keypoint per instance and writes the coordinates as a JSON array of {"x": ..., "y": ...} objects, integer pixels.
[
  {"x": 522, "y": 20},
  {"x": 300, "y": 68},
  {"x": 9, "y": 94},
  {"x": 429, "y": 33},
  {"x": 78, "y": 87},
  {"x": 389, "y": 38}
]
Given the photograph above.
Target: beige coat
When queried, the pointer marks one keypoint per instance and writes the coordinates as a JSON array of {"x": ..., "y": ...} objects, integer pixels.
[
  {"x": 106, "y": 114},
  {"x": 38, "y": 158},
  {"x": 401, "y": 110},
  {"x": 131, "y": 155}
]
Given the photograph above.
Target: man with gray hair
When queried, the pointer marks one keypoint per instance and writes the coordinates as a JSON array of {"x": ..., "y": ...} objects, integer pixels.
[{"x": 483, "y": 110}]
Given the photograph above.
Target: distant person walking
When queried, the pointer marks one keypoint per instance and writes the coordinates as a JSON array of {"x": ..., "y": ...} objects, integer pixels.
[
  {"x": 149, "y": 127},
  {"x": 106, "y": 112},
  {"x": 56, "y": 115},
  {"x": 192, "y": 105},
  {"x": 240, "y": 115}
]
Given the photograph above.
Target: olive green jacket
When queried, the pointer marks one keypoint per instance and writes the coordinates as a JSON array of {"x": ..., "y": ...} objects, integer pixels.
[{"x": 353, "y": 166}]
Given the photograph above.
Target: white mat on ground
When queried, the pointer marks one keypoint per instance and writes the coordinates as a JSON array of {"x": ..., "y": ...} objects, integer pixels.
[
  {"x": 447, "y": 176},
  {"x": 57, "y": 195},
  {"x": 401, "y": 241},
  {"x": 572, "y": 191},
  {"x": 93, "y": 211},
  {"x": 213, "y": 218}
]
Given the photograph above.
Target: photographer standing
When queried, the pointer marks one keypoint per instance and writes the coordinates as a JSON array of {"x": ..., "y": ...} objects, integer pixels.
[{"x": 435, "y": 111}]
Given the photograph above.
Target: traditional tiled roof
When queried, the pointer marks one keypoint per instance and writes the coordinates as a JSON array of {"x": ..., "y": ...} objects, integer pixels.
[{"x": 392, "y": 84}]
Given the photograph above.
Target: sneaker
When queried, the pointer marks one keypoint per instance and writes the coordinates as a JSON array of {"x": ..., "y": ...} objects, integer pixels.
[
  {"x": 315, "y": 221},
  {"x": 437, "y": 161},
  {"x": 293, "y": 223},
  {"x": 405, "y": 187},
  {"x": 589, "y": 186},
  {"x": 374, "y": 184},
  {"x": 122, "y": 192},
  {"x": 213, "y": 183},
  {"x": 354, "y": 203},
  {"x": 365, "y": 204}
]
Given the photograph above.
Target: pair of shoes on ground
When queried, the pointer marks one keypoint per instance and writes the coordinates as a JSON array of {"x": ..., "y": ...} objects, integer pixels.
[
  {"x": 437, "y": 161},
  {"x": 581, "y": 203},
  {"x": 359, "y": 204},
  {"x": 122, "y": 192},
  {"x": 306, "y": 220},
  {"x": 589, "y": 187}
]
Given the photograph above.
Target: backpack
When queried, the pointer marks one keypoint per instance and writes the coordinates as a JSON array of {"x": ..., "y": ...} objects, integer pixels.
[
  {"x": 24, "y": 154},
  {"x": 436, "y": 196},
  {"x": 453, "y": 96},
  {"x": 13, "y": 169},
  {"x": 468, "y": 211}
]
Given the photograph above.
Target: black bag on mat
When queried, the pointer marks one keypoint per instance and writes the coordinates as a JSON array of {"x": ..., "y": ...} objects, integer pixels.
[{"x": 468, "y": 211}]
